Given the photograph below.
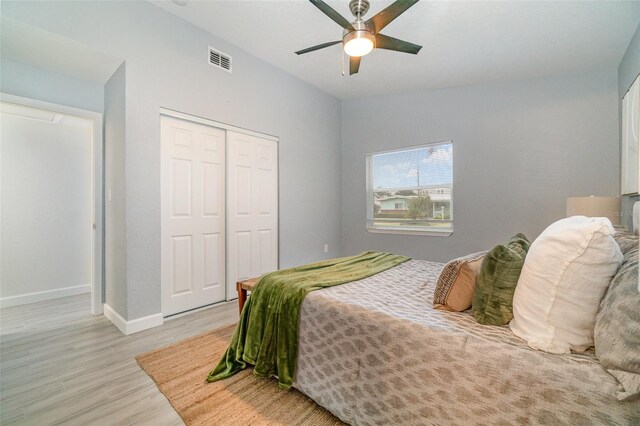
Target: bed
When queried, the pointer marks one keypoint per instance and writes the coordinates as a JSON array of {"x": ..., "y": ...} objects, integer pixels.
[{"x": 375, "y": 352}]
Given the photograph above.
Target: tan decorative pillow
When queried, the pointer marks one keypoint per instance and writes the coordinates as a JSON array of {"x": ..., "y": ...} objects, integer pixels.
[{"x": 457, "y": 282}]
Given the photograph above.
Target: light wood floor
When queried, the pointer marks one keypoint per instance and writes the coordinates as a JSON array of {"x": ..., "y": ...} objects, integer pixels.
[{"x": 61, "y": 365}]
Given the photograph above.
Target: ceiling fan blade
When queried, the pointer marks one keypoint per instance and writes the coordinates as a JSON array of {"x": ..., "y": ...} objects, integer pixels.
[
  {"x": 317, "y": 47},
  {"x": 390, "y": 43},
  {"x": 384, "y": 17},
  {"x": 331, "y": 13},
  {"x": 354, "y": 64}
]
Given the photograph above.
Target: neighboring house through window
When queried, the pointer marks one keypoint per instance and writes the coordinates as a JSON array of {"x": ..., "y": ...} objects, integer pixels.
[{"x": 410, "y": 190}]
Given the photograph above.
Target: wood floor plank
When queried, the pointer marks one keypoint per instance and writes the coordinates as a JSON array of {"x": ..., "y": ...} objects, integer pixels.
[
  {"x": 10, "y": 415},
  {"x": 61, "y": 365}
]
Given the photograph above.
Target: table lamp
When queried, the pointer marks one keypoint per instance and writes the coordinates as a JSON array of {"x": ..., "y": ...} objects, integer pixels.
[{"x": 592, "y": 206}]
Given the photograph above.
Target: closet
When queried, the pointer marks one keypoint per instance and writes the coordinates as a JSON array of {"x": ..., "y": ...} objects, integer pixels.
[{"x": 219, "y": 210}]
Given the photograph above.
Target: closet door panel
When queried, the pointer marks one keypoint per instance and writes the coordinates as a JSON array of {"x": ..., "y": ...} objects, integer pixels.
[
  {"x": 252, "y": 208},
  {"x": 192, "y": 215}
]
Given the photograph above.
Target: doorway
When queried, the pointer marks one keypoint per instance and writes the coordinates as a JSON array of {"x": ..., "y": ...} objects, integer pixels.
[{"x": 51, "y": 209}]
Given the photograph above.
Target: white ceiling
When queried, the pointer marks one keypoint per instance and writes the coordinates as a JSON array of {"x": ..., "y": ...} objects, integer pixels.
[
  {"x": 464, "y": 42},
  {"x": 29, "y": 45}
]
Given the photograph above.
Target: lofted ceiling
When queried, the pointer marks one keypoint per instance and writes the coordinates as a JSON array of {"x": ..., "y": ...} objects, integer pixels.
[{"x": 464, "y": 42}]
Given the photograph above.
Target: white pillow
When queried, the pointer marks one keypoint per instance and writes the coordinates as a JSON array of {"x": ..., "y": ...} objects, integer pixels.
[{"x": 565, "y": 275}]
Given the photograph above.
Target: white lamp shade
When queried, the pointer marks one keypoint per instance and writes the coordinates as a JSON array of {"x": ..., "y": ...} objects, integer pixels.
[{"x": 608, "y": 207}]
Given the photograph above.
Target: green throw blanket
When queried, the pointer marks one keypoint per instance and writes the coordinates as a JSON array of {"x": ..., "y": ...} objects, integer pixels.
[{"x": 267, "y": 334}]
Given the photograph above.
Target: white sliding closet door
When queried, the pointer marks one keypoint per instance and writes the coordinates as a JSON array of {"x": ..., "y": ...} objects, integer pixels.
[
  {"x": 193, "y": 215},
  {"x": 252, "y": 208}
]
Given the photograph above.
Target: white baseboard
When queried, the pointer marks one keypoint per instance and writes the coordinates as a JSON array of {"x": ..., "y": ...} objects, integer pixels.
[
  {"x": 133, "y": 326},
  {"x": 144, "y": 323},
  {"x": 115, "y": 318},
  {"x": 41, "y": 296}
]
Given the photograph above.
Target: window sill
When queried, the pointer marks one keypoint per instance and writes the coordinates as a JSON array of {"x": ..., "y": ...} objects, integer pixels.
[{"x": 400, "y": 231}]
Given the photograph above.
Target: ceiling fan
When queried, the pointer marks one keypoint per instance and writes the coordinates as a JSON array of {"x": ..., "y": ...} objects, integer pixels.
[{"x": 361, "y": 37}]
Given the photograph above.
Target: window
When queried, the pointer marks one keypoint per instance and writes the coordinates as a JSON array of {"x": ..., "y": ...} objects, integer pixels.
[{"x": 409, "y": 191}]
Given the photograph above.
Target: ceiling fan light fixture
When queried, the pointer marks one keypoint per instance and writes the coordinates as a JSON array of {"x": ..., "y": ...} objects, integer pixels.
[
  {"x": 358, "y": 43},
  {"x": 360, "y": 37}
]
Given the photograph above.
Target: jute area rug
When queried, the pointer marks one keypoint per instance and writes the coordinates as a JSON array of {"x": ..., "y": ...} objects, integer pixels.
[{"x": 180, "y": 370}]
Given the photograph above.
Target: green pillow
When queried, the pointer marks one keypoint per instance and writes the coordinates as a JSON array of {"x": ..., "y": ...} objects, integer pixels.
[{"x": 493, "y": 296}]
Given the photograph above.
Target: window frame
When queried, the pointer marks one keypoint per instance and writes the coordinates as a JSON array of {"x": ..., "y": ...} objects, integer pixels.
[{"x": 396, "y": 230}]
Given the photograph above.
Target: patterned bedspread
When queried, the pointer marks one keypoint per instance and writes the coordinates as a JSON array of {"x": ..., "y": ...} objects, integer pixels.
[{"x": 374, "y": 352}]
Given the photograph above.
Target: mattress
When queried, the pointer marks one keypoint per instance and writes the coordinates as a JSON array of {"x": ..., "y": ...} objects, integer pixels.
[{"x": 375, "y": 352}]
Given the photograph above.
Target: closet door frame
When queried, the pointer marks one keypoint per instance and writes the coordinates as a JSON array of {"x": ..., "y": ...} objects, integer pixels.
[
  {"x": 218, "y": 124},
  {"x": 230, "y": 293}
]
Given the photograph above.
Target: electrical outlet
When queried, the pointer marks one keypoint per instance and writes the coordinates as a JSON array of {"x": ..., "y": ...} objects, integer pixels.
[{"x": 326, "y": 248}]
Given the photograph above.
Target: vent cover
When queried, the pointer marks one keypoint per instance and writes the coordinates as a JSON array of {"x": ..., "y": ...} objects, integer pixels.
[{"x": 219, "y": 59}]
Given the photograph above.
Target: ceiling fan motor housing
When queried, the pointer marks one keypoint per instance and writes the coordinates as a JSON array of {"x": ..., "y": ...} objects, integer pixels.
[
  {"x": 358, "y": 7},
  {"x": 361, "y": 31}
]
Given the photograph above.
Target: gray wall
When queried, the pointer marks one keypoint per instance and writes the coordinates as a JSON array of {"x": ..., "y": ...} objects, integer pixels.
[
  {"x": 630, "y": 65},
  {"x": 44, "y": 85},
  {"x": 520, "y": 149},
  {"x": 115, "y": 252},
  {"x": 627, "y": 72},
  {"x": 166, "y": 67},
  {"x": 46, "y": 205}
]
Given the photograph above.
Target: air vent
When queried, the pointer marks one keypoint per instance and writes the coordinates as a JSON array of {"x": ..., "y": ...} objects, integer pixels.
[{"x": 219, "y": 59}]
